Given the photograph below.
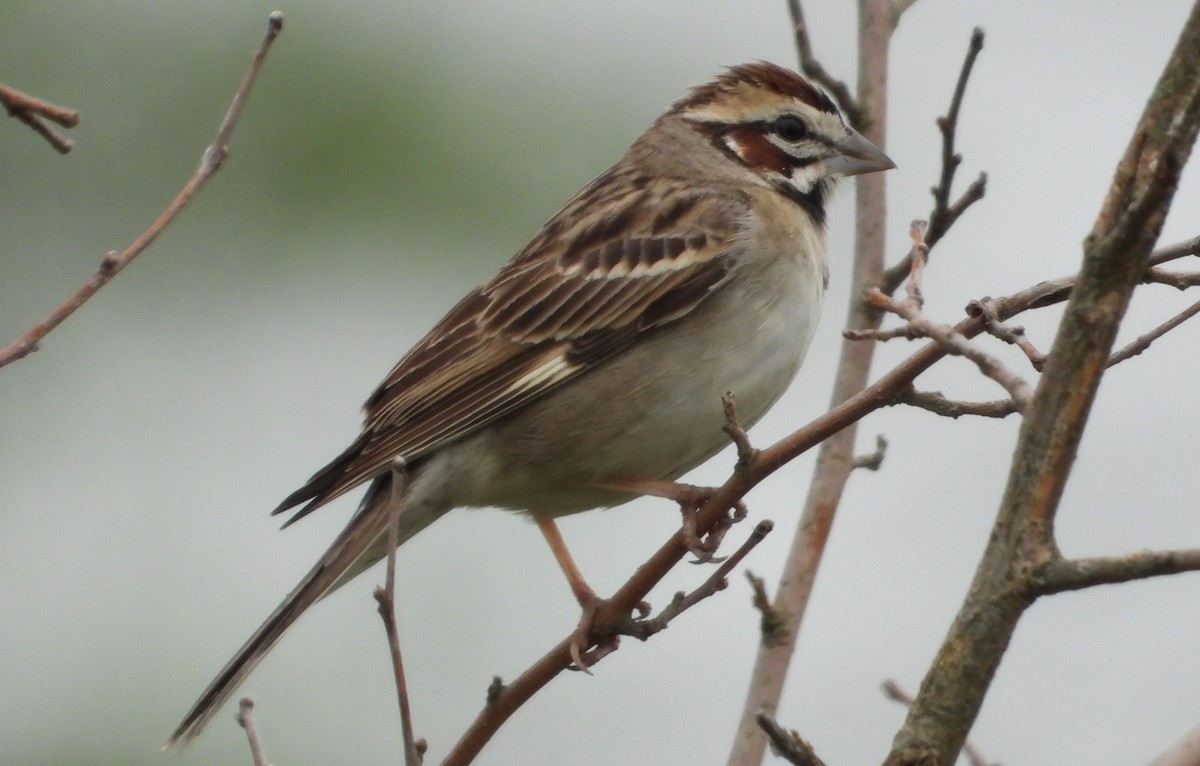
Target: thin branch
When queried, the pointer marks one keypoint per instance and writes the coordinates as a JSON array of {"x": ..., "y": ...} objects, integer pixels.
[
  {"x": 114, "y": 262},
  {"x": 716, "y": 582},
  {"x": 872, "y": 460},
  {"x": 896, "y": 693},
  {"x": 904, "y": 332},
  {"x": 245, "y": 719},
  {"x": 1011, "y": 334},
  {"x": 811, "y": 67},
  {"x": 34, "y": 112},
  {"x": 1175, "y": 252},
  {"x": 1057, "y": 290},
  {"x": 943, "y": 216},
  {"x": 900, "y": 6},
  {"x": 733, "y": 429},
  {"x": 918, "y": 259},
  {"x": 935, "y": 402},
  {"x": 788, "y": 745},
  {"x": 770, "y": 620},
  {"x": 1059, "y": 574},
  {"x": 385, "y": 596},
  {"x": 1176, "y": 279},
  {"x": 1142, "y": 342},
  {"x": 1020, "y": 390},
  {"x": 945, "y": 213}
]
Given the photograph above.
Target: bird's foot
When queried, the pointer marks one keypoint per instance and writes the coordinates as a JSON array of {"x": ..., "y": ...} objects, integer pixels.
[
  {"x": 691, "y": 499},
  {"x": 584, "y": 651}
]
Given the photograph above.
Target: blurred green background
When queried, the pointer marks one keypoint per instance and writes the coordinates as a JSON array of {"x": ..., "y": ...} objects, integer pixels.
[{"x": 391, "y": 157}]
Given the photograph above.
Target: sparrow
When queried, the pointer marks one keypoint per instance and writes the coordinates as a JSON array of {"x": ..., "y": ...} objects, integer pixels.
[{"x": 591, "y": 368}]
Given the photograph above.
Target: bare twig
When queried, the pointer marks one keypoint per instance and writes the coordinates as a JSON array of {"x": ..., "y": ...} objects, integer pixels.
[
  {"x": 495, "y": 689},
  {"x": 943, "y": 216},
  {"x": 34, "y": 112},
  {"x": 1012, "y": 334},
  {"x": 245, "y": 719},
  {"x": 788, "y": 745},
  {"x": 770, "y": 619},
  {"x": 955, "y": 343},
  {"x": 716, "y": 582},
  {"x": 1142, "y": 342},
  {"x": 904, "y": 332},
  {"x": 1176, "y": 279},
  {"x": 935, "y": 402},
  {"x": 918, "y": 258},
  {"x": 811, "y": 67},
  {"x": 873, "y": 460},
  {"x": 385, "y": 595},
  {"x": 733, "y": 429},
  {"x": 896, "y": 693},
  {"x": 114, "y": 262},
  {"x": 1058, "y": 574},
  {"x": 945, "y": 213}
]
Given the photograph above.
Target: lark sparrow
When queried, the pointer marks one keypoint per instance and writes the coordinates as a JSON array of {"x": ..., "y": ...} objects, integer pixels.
[{"x": 591, "y": 367}]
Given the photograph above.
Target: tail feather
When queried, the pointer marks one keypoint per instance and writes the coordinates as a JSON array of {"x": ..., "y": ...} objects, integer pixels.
[
  {"x": 322, "y": 486},
  {"x": 361, "y": 544}
]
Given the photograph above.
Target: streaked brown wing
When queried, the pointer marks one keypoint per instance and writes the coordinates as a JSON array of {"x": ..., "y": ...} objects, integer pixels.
[{"x": 616, "y": 261}]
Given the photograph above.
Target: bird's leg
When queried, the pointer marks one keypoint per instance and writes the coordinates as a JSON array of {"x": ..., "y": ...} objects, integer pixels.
[
  {"x": 691, "y": 499},
  {"x": 587, "y": 598}
]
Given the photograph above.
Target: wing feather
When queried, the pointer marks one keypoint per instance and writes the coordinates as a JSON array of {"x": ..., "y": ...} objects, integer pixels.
[{"x": 620, "y": 259}]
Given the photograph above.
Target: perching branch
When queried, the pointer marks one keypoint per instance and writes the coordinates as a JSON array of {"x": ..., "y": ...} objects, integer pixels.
[
  {"x": 716, "y": 582},
  {"x": 113, "y": 262}
]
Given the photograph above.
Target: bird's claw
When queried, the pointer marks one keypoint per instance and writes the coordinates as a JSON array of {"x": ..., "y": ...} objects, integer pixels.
[
  {"x": 582, "y": 655},
  {"x": 691, "y": 499}
]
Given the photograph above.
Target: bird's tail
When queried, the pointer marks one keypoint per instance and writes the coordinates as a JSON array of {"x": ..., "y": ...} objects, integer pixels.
[{"x": 361, "y": 544}]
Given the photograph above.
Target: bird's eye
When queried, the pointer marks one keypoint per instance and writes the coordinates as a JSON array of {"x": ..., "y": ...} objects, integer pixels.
[{"x": 790, "y": 128}]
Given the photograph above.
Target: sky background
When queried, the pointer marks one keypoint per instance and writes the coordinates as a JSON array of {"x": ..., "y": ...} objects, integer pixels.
[{"x": 392, "y": 157}]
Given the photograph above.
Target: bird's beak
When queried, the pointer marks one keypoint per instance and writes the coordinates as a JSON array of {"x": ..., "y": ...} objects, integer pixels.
[{"x": 857, "y": 155}]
